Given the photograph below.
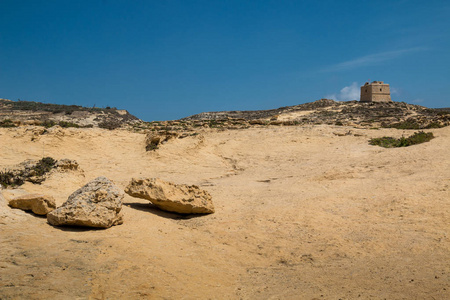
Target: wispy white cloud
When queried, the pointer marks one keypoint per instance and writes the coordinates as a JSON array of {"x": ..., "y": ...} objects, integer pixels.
[
  {"x": 371, "y": 59},
  {"x": 394, "y": 91},
  {"x": 351, "y": 92}
]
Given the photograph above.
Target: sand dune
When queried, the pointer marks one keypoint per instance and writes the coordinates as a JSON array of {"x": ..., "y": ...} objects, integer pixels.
[{"x": 301, "y": 213}]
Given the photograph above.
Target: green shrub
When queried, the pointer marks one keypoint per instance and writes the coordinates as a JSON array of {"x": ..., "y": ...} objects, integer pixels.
[
  {"x": 44, "y": 165},
  {"x": 7, "y": 123},
  {"x": 48, "y": 123},
  {"x": 390, "y": 142},
  {"x": 65, "y": 124},
  {"x": 408, "y": 124},
  {"x": 8, "y": 178},
  {"x": 109, "y": 124},
  {"x": 434, "y": 125}
]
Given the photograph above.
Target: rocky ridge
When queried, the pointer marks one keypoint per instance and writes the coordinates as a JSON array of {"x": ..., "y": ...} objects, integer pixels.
[
  {"x": 15, "y": 113},
  {"x": 325, "y": 111}
]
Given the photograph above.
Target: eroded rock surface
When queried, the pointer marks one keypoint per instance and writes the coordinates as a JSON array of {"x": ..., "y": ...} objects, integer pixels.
[
  {"x": 97, "y": 204},
  {"x": 67, "y": 164},
  {"x": 179, "y": 198},
  {"x": 37, "y": 203}
]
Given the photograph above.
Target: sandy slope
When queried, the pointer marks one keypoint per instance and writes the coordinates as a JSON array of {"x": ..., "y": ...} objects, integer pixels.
[{"x": 301, "y": 213}]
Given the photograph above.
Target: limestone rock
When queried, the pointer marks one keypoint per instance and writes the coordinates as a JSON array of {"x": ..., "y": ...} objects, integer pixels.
[
  {"x": 97, "y": 204},
  {"x": 154, "y": 139},
  {"x": 37, "y": 203},
  {"x": 179, "y": 198},
  {"x": 67, "y": 164}
]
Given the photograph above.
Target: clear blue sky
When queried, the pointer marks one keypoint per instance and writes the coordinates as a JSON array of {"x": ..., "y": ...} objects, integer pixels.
[{"x": 168, "y": 59}]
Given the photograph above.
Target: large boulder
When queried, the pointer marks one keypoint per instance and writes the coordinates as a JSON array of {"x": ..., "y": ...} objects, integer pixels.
[
  {"x": 37, "y": 203},
  {"x": 97, "y": 204},
  {"x": 179, "y": 198}
]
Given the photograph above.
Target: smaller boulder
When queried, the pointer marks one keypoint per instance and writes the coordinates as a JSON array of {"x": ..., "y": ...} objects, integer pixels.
[
  {"x": 97, "y": 204},
  {"x": 179, "y": 198},
  {"x": 37, "y": 203}
]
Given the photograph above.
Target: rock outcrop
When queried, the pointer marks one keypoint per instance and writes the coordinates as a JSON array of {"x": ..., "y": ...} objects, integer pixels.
[
  {"x": 179, "y": 198},
  {"x": 36, "y": 171},
  {"x": 154, "y": 139},
  {"x": 45, "y": 114},
  {"x": 66, "y": 164},
  {"x": 97, "y": 204},
  {"x": 37, "y": 203}
]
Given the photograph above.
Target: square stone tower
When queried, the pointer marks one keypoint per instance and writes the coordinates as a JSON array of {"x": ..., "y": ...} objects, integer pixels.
[{"x": 376, "y": 91}]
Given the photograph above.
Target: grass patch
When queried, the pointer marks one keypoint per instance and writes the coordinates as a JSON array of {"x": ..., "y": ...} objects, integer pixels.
[{"x": 390, "y": 142}]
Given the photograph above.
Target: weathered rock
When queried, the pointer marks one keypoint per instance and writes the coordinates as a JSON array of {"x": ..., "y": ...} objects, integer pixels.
[
  {"x": 37, "y": 203},
  {"x": 154, "y": 139},
  {"x": 179, "y": 198},
  {"x": 67, "y": 164},
  {"x": 97, "y": 204},
  {"x": 258, "y": 122}
]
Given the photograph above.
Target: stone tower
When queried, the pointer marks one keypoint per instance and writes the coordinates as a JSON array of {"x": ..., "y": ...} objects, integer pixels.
[{"x": 376, "y": 91}]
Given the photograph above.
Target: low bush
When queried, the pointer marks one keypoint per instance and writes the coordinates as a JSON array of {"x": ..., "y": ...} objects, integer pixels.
[
  {"x": 65, "y": 124},
  {"x": 109, "y": 124},
  {"x": 408, "y": 124},
  {"x": 9, "y": 178},
  {"x": 44, "y": 165},
  {"x": 434, "y": 125},
  {"x": 48, "y": 123},
  {"x": 7, "y": 123},
  {"x": 390, "y": 142}
]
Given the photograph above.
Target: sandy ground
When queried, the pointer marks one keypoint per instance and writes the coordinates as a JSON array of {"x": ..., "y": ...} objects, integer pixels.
[{"x": 301, "y": 213}]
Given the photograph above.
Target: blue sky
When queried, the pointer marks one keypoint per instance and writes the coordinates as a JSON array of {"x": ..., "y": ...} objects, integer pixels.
[{"x": 169, "y": 59}]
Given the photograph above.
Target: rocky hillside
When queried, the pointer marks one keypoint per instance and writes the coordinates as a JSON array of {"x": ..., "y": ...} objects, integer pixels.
[
  {"x": 352, "y": 113},
  {"x": 261, "y": 114},
  {"x": 326, "y": 111},
  {"x": 14, "y": 113}
]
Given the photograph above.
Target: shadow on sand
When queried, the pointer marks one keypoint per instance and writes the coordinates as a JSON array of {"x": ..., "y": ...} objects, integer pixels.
[
  {"x": 73, "y": 228},
  {"x": 151, "y": 208}
]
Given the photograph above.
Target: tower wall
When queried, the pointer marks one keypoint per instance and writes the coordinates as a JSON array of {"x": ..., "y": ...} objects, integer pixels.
[{"x": 376, "y": 91}]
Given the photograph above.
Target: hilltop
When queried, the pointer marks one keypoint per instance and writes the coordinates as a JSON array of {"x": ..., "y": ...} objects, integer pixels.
[
  {"x": 19, "y": 112},
  {"x": 354, "y": 114},
  {"x": 326, "y": 111},
  {"x": 323, "y": 111}
]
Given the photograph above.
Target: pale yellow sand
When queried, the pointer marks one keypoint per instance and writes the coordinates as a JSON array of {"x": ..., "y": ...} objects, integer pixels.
[{"x": 301, "y": 213}]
